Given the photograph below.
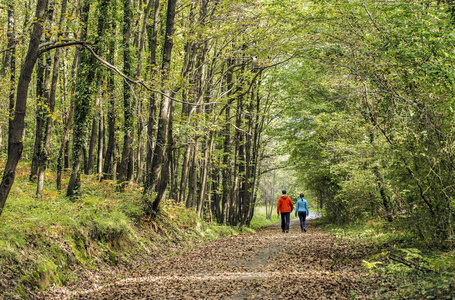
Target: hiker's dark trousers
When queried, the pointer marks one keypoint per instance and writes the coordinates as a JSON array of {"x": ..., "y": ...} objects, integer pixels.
[
  {"x": 285, "y": 220},
  {"x": 302, "y": 218}
]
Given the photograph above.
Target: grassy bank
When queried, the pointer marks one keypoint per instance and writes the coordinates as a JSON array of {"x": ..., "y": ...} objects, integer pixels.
[
  {"x": 58, "y": 241},
  {"x": 410, "y": 268}
]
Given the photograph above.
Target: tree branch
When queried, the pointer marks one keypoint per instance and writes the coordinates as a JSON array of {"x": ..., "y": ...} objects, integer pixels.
[{"x": 54, "y": 45}]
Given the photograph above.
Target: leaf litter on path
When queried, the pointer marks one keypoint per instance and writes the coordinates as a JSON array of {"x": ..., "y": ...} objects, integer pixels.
[{"x": 267, "y": 264}]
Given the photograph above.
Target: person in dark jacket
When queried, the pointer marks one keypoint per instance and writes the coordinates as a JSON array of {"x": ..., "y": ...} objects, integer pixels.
[
  {"x": 285, "y": 206},
  {"x": 301, "y": 208}
]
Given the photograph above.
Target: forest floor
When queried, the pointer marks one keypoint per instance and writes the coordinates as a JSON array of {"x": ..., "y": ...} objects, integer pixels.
[{"x": 267, "y": 264}]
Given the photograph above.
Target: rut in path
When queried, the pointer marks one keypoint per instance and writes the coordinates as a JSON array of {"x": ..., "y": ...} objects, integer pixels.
[{"x": 267, "y": 264}]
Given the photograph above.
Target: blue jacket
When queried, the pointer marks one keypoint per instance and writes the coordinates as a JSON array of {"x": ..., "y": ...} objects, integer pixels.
[{"x": 301, "y": 205}]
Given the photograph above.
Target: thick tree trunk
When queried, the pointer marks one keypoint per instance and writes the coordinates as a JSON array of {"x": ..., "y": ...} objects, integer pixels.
[
  {"x": 85, "y": 76},
  {"x": 42, "y": 98},
  {"x": 16, "y": 122},
  {"x": 164, "y": 176},
  {"x": 84, "y": 86},
  {"x": 159, "y": 154}
]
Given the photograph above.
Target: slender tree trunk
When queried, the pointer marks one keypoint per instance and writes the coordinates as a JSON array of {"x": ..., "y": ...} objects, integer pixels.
[
  {"x": 111, "y": 113},
  {"x": 153, "y": 42},
  {"x": 255, "y": 152},
  {"x": 173, "y": 194},
  {"x": 184, "y": 176},
  {"x": 204, "y": 175},
  {"x": 40, "y": 117},
  {"x": 368, "y": 116},
  {"x": 92, "y": 142},
  {"x": 44, "y": 157},
  {"x": 16, "y": 121},
  {"x": 227, "y": 148},
  {"x": 127, "y": 97},
  {"x": 140, "y": 123},
  {"x": 10, "y": 63},
  {"x": 101, "y": 139},
  {"x": 192, "y": 192},
  {"x": 63, "y": 157}
]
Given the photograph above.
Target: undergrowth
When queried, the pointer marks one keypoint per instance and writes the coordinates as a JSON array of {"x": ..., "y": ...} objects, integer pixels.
[
  {"x": 408, "y": 268},
  {"x": 43, "y": 242}
]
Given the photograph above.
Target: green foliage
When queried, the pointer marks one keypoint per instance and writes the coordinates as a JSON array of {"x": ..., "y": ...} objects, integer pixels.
[
  {"x": 405, "y": 272},
  {"x": 368, "y": 118}
]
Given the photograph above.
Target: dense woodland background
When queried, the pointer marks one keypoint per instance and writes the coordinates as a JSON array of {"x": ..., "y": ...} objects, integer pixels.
[{"x": 220, "y": 104}]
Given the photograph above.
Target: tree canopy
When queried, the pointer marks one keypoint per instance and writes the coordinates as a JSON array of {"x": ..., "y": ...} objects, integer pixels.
[{"x": 202, "y": 101}]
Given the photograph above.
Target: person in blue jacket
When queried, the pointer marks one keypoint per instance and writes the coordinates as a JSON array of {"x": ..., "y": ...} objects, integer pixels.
[{"x": 301, "y": 208}]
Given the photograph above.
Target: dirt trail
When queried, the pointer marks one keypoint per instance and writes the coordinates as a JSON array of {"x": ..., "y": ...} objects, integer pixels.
[{"x": 268, "y": 264}]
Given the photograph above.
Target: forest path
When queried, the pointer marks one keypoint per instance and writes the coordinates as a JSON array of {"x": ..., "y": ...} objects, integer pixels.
[{"x": 267, "y": 264}]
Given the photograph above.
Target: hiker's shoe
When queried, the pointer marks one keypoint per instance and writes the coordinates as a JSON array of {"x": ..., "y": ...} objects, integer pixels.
[{"x": 304, "y": 229}]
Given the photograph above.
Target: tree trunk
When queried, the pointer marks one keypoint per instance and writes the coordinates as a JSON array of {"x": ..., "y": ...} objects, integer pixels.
[
  {"x": 204, "y": 175},
  {"x": 164, "y": 176},
  {"x": 192, "y": 192},
  {"x": 44, "y": 157},
  {"x": 16, "y": 122},
  {"x": 255, "y": 152},
  {"x": 40, "y": 117},
  {"x": 42, "y": 98},
  {"x": 184, "y": 176},
  {"x": 111, "y": 114},
  {"x": 153, "y": 42},
  {"x": 140, "y": 123},
  {"x": 101, "y": 140},
  {"x": 63, "y": 157},
  {"x": 92, "y": 143},
  {"x": 82, "y": 102},
  {"x": 10, "y": 62},
  {"x": 159, "y": 154},
  {"x": 227, "y": 148},
  {"x": 127, "y": 97}
]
